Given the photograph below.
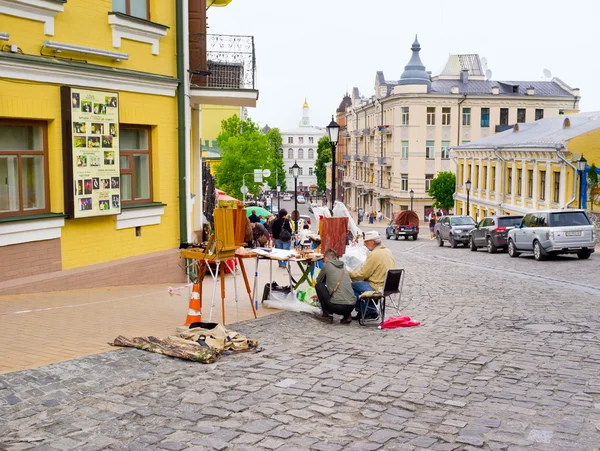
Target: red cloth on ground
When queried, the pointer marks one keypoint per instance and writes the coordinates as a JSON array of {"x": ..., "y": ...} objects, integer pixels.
[{"x": 399, "y": 321}]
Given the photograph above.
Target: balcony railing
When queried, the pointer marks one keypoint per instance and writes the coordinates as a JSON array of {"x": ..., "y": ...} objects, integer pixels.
[
  {"x": 222, "y": 61},
  {"x": 357, "y": 158},
  {"x": 346, "y": 157},
  {"x": 385, "y": 161},
  {"x": 345, "y": 134}
]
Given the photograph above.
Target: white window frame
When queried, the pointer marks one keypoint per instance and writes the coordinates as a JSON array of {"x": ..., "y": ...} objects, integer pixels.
[
  {"x": 446, "y": 115},
  {"x": 431, "y": 116},
  {"x": 445, "y": 150},
  {"x": 428, "y": 179},
  {"x": 405, "y": 150},
  {"x": 466, "y": 117},
  {"x": 290, "y": 140},
  {"x": 405, "y": 115},
  {"x": 403, "y": 182},
  {"x": 430, "y": 150}
]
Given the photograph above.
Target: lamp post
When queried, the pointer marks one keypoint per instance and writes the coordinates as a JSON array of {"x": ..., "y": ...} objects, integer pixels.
[
  {"x": 581, "y": 163},
  {"x": 295, "y": 173},
  {"x": 412, "y": 196},
  {"x": 468, "y": 186},
  {"x": 333, "y": 129}
]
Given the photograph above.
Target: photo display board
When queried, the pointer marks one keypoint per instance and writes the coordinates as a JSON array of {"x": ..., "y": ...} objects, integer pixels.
[{"x": 91, "y": 152}]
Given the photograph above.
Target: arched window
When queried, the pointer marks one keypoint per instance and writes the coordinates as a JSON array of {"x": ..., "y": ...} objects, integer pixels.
[
  {"x": 311, "y": 154},
  {"x": 290, "y": 154},
  {"x": 281, "y": 151},
  {"x": 300, "y": 154}
]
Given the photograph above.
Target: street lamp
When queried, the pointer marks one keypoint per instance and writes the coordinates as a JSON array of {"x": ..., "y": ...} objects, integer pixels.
[
  {"x": 412, "y": 196},
  {"x": 333, "y": 129},
  {"x": 581, "y": 163},
  {"x": 468, "y": 186},
  {"x": 295, "y": 173}
]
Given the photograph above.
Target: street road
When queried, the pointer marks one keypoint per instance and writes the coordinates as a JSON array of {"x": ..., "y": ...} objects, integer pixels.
[{"x": 507, "y": 357}]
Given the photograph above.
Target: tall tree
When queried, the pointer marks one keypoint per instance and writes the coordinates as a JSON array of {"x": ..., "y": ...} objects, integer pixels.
[
  {"x": 244, "y": 149},
  {"x": 323, "y": 157},
  {"x": 593, "y": 185},
  {"x": 276, "y": 160},
  {"x": 442, "y": 190}
]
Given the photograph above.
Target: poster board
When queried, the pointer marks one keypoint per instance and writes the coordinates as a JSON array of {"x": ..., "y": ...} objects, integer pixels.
[
  {"x": 334, "y": 233},
  {"x": 92, "y": 181}
]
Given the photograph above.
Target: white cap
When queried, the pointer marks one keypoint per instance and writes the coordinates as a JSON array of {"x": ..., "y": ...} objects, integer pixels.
[{"x": 372, "y": 235}]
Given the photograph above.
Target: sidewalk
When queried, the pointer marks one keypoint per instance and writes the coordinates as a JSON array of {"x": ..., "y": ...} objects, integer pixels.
[{"x": 44, "y": 328}]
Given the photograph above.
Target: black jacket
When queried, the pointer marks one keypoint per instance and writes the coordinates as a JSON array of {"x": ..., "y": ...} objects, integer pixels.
[
  {"x": 254, "y": 218},
  {"x": 278, "y": 224}
]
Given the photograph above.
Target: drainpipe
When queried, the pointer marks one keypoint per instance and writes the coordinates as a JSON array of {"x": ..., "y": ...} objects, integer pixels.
[
  {"x": 182, "y": 113},
  {"x": 502, "y": 177},
  {"x": 561, "y": 156},
  {"x": 459, "y": 121}
]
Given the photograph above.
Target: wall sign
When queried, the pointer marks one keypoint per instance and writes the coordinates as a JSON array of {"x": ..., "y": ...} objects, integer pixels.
[{"x": 91, "y": 152}]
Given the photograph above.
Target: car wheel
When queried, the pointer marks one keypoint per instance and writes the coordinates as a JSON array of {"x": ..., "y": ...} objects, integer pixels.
[
  {"x": 452, "y": 242},
  {"x": 584, "y": 254},
  {"x": 415, "y": 237},
  {"x": 490, "y": 246},
  {"x": 472, "y": 244},
  {"x": 538, "y": 252},
  {"x": 439, "y": 240},
  {"x": 512, "y": 249},
  {"x": 387, "y": 236}
]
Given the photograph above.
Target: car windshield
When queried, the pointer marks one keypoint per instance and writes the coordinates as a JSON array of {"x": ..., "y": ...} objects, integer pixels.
[
  {"x": 462, "y": 221},
  {"x": 568, "y": 218},
  {"x": 511, "y": 221}
]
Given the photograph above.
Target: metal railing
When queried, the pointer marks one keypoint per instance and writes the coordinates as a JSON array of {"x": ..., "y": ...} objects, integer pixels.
[{"x": 229, "y": 61}]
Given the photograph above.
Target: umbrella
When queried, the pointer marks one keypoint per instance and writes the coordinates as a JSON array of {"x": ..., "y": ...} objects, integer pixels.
[
  {"x": 221, "y": 195},
  {"x": 259, "y": 211}
]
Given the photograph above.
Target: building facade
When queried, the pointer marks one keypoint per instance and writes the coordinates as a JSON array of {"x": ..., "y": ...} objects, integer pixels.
[
  {"x": 529, "y": 167},
  {"x": 400, "y": 138},
  {"x": 300, "y": 146}
]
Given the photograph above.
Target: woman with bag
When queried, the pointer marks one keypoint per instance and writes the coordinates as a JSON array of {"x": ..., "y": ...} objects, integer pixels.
[
  {"x": 282, "y": 234},
  {"x": 334, "y": 289}
]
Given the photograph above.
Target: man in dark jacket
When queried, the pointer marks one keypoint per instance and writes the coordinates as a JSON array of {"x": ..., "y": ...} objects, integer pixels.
[
  {"x": 334, "y": 289},
  {"x": 277, "y": 227},
  {"x": 253, "y": 217}
]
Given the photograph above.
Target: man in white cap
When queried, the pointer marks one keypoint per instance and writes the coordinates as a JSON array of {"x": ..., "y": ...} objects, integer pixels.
[{"x": 371, "y": 276}]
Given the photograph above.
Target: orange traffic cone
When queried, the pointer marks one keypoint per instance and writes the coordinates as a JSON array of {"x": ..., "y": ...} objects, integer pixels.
[{"x": 195, "y": 311}]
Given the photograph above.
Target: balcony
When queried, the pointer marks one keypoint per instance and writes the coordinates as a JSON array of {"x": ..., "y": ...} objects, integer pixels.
[
  {"x": 345, "y": 134},
  {"x": 384, "y": 161},
  {"x": 346, "y": 157},
  {"x": 384, "y": 129},
  {"x": 366, "y": 131},
  {"x": 223, "y": 70},
  {"x": 367, "y": 159},
  {"x": 357, "y": 158},
  {"x": 356, "y": 132}
]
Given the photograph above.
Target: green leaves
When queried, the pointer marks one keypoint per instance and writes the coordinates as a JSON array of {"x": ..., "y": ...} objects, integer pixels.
[
  {"x": 442, "y": 190},
  {"x": 323, "y": 157}
]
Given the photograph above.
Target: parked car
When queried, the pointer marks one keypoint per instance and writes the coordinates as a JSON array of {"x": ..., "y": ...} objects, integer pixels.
[
  {"x": 301, "y": 199},
  {"x": 287, "y": 197},
  {"x": 405, "y": 223},
  {"x": 454, "y": 229},
  {"x": 492, "y": 232},
  {"x": 553, "y": 232},
  {"x": 305, "y": 219}
]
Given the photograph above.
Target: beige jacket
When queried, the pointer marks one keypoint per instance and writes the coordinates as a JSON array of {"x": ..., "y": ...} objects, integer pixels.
[{"x": 375, "y": 267}]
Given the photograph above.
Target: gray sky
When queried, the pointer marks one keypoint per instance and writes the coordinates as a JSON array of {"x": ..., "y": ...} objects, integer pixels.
[{"x": 294, "y": 40}]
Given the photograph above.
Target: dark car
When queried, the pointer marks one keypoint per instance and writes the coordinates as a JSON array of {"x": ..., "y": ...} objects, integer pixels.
[
  {"x": 405, "y": 223},
  {"x": 454, "y": 229},
  {"x": 492, "y": 232}
]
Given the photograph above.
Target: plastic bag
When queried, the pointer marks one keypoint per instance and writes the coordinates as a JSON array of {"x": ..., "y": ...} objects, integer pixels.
[
  {"x": 320, "y": 211},
  {"x": 290, "y": 303},
  {"x": 355, "y": 257}
]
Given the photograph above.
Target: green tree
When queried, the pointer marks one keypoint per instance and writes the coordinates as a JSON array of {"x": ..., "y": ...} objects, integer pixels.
[
  {"x": 442, "y": 190},
  {"x": 276, "y": 159},
  {"x": 244, "y": 149},
  {"x": 323, "y": 157},
  {"x": 593, "y": 185}
]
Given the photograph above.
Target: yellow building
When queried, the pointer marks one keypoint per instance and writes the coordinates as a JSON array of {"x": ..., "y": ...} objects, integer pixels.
[
  {"x": 212, "y": 115},
  {"x": 532, "y": 166},
  {"x": 88, "y": 143}
]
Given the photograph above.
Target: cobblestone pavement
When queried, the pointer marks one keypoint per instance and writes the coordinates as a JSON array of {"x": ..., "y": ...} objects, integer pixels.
[{"x": 507, "y": 357}]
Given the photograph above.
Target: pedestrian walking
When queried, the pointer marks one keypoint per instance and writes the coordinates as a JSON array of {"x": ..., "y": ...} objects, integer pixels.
[{"x": 432, "y": 220}]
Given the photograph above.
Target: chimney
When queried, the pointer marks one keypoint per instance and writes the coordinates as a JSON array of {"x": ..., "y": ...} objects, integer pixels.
[
  {"x": 531, "y": 91},
  {"x": 495, "y": 90},
  {"x": 464, "y": 76},
  {"x": 454, "y": 90}
]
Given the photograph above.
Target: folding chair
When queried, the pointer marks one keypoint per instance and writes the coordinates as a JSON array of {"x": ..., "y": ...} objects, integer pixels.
[{"x": 392, "y": 293}]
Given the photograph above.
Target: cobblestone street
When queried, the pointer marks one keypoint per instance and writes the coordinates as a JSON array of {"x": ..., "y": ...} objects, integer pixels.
[{"x": 507, "y": 357}]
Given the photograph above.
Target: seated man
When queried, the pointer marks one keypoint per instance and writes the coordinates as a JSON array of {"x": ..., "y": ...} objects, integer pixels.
[
  {"x": 334, "y": 289},
  {"x": 371, "y": 276}
]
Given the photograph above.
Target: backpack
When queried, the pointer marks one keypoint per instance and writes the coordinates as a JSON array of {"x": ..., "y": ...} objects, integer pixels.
[{"x": 285, "y": 235}]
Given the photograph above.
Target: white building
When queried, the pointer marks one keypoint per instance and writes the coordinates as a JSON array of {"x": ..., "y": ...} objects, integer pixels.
[{"x": 300, "y": 145}]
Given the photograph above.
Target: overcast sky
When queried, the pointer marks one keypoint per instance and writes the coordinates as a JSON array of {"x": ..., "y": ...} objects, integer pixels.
[{"x": 320, "y": 48}]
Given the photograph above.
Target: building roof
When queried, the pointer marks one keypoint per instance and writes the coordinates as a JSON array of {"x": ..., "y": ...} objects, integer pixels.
[
  {"x": 484, "y": 87},
  {"x": 305, "y": 103},
  {"x": 345, "y": 103},
  {"x": 414, "y": 72},
  {"x": 550, "y": 132},
  {"x": 457, "y": 63},
  {"x": 317, "y": 131}
]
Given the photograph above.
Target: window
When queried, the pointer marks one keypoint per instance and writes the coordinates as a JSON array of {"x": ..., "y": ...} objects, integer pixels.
[
  {"x": 521, "y": 115},
  {"x": 476, "y": 181},
  {"x": 136, "y": 164},
  {"x": 291, "y": 171},
  {"x": 430, "y": 150},
  {"x": 530, "y": 183},
  {"x": 290, "y": 140},
  {"x": 301, "y": 171},
  {"x": 405, "y": 150},
  {"x": 485, "y": 117},
  {"x": 281, "y": 152},
  {"x": 445, "y": 116},
  {"x": 485, "y": 174},
  {"x": 539, "y": 114},
  {"x": 519, "y": 182},
  {"x": 405, "y": 116},
  {"x": 431, "y": 116},
  {"x": 311, "y": 154},
  {"x": 300, "y": 140},
  {"x": 509, "y": 181},
  {"x": 311, "y": 140},
  {"x": 404, "y": 182},
  {"x": 493, "y": 187},
  {"x": 135, "y": 8},
  {"x": 428, "y": 179},
  {"x": 290, "y": 153},
  {"x": 310, "y": 171},
  {"x": 542, "y": 185},
  {"x": 556, "y": 193},
  {"x": 300, "y": 154},
  {"x": 445, "y": 150},
  {"x": 503, "y": 116},
  {"x": 466, "y": 117},
  {"x": 23, "y": 168}
]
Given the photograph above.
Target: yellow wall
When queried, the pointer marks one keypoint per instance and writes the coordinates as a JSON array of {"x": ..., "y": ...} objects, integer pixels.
[
  {"x": 85, "y": 23},
  {"x": 212, "y": 115}
]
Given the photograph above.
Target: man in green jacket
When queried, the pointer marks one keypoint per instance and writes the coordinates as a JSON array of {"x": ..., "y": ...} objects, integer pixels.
[
  {"x": 371, "y": 275},
  {"x": 334, "y": 289}
]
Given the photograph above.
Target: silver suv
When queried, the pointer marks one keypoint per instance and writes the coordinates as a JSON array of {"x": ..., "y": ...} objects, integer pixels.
[
  {"x": 455, "y": 229},
  {"x": 553, "y": 232}
]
